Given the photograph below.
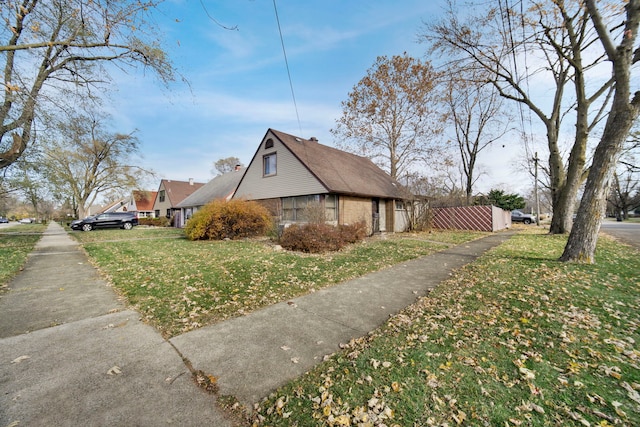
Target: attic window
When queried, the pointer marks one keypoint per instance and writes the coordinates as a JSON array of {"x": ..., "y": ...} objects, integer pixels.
[
  {"x": 269, "y": 162},
  {"x": 268, "y": 143}
]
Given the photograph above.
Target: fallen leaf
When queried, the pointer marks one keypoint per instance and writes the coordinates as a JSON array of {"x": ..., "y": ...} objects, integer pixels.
[
  {"x": 633, "y": 395},
  {"x": 459, "y": 417},
  {"x": 20, "y": 359},
  {"x": 527, "y": 373},
  {"x": 114, "y": 371}
]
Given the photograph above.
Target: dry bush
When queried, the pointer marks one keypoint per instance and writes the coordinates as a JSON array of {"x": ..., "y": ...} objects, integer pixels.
[
  {"x": 354, "y": 232},
  {"x": 320, "y": 237},
  {"x": 155, "y": 222},
  {"x": 235, "y": 219}
]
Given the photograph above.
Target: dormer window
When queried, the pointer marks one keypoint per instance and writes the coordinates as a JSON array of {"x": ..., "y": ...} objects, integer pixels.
[
  {"x": 268, "y": 143},
  {"x": 269, "y": 162}
]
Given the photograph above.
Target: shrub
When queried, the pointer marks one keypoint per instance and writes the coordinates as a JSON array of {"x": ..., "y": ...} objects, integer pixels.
[
  {"x": 155, "y": 222},
  {"x": 352, "y": 233},
  {"x": 318, "y": 238},
  {"x": 234, "y": 219}
]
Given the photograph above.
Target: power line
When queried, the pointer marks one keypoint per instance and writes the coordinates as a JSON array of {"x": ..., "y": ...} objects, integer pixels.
[
  {"x": 506, "y": 13},
  {"x": 235, "y": 27},
  {"x": 293, "y": 95}
]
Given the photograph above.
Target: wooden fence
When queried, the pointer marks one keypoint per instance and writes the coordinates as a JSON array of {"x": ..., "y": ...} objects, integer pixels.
[{"x": 479, "y": 218}]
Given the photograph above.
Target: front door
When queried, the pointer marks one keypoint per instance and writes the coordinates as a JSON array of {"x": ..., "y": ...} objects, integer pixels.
[{"x": 375, "y": 209}]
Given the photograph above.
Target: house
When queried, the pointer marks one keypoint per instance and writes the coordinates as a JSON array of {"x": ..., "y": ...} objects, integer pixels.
[
  {"x": 119, "y": 205},
  {"x": 170, "y": 193},
  {"x": 288, "y": 174},
  {"x": 142, "y": 203},
  {"x": 222, "y": 187}
]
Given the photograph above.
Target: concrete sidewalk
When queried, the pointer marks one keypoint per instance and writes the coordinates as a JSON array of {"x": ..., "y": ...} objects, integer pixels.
[
  {"x": 72, "y": 354},
  {"x": 253, "y": 355},
  {"x": 87, "y": 360}
]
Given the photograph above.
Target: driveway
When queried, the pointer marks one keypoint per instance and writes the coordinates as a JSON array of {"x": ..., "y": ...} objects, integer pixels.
[{"x": 627, "y": 232}]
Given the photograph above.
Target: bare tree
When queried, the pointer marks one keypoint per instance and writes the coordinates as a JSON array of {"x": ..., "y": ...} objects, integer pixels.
[
  {"x": 625, "y": 188},
  {"x": 85, "y": 161},
  {"x": 475, "y": 109},
  {"x": 391, "y": 115},
  {"x": 553, "y": 37},
  {"x": 28, "y": 183},
  {"x": 226, "y": 165},
  {"x": 624, "y": 193},
  {"x": 624, "y": 111},
  {"x": 54, "y": 49}
]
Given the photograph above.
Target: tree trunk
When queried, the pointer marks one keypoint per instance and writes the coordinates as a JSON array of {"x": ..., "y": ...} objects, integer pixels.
[
  {"x": 581, "y": 245},
  {"x": 561, "y": 199},
  {"x": 562, "y": 205}
]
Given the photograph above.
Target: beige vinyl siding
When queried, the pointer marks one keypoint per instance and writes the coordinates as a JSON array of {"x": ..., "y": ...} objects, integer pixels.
[
  {"x": 164, "y": 205},
  {"x": 291, "y": 177}
]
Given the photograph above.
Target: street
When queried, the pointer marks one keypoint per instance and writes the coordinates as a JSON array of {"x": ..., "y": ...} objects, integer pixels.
[{"x": 628, "y": 232}]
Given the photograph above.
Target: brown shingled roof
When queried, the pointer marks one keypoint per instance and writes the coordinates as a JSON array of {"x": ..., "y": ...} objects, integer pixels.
[
  {"x": 144, "y": 199},
  {"x": 339, "y": 171},
  {"x": 177, "y": 191}
]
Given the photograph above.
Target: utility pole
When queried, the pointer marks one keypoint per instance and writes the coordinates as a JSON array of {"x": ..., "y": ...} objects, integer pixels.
[{"x": 535, "y": 186}]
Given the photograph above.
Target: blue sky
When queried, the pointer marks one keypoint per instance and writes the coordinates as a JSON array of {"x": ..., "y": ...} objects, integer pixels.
[{"x": 239, "y": 85}]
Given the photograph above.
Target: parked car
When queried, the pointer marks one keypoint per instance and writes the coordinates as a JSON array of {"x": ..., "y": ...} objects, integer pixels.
[
  {"x": 4, "y": 221},
  {"x": 26, "y": 221},
  {"x": 126, "y": 220},
  {"x": 517, "y": 216}
]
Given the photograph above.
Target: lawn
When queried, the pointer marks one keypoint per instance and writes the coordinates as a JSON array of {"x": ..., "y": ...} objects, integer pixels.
[
  {"x": 15, "y": 244},
  {"x": 179, "y": 285},
  {"x": 516, "y": 338}
]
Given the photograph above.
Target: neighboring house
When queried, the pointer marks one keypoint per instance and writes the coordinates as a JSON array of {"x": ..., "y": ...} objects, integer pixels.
[
  {"x": 119, "y": 205},
  {"x": 221, "y": 187},
  {"x": 142, "y": 203},
  {"x": 170, "y": 193},
  {"x": 288, "y": 174}
]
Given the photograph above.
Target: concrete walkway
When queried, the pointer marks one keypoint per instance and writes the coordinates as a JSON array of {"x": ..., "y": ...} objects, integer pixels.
[
  {"x": 86, "y": 360},
  {"x": 72, "y": 354}
]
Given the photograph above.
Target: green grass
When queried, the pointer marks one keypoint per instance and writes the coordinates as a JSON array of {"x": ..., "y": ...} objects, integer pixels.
[
  {"x": 515, "y": 338},
  {"x": 15, "y": 244},
  {"x": 179, "y": 285},
  {"x": 136, "y": 233}
]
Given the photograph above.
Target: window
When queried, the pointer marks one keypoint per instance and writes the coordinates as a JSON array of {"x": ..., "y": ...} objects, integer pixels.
[
  {"x": 157, "y": 213},
  {"x": 161, "y": 196},
  {"x": 287, "y": 209},
  {"x": 302, "y": 208},
  {"x": 331, "y": 207},
  {"x": 168, "y": 213},
  {"x": 270, "y": 164},
  {"x": 268, "y": 143}
]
